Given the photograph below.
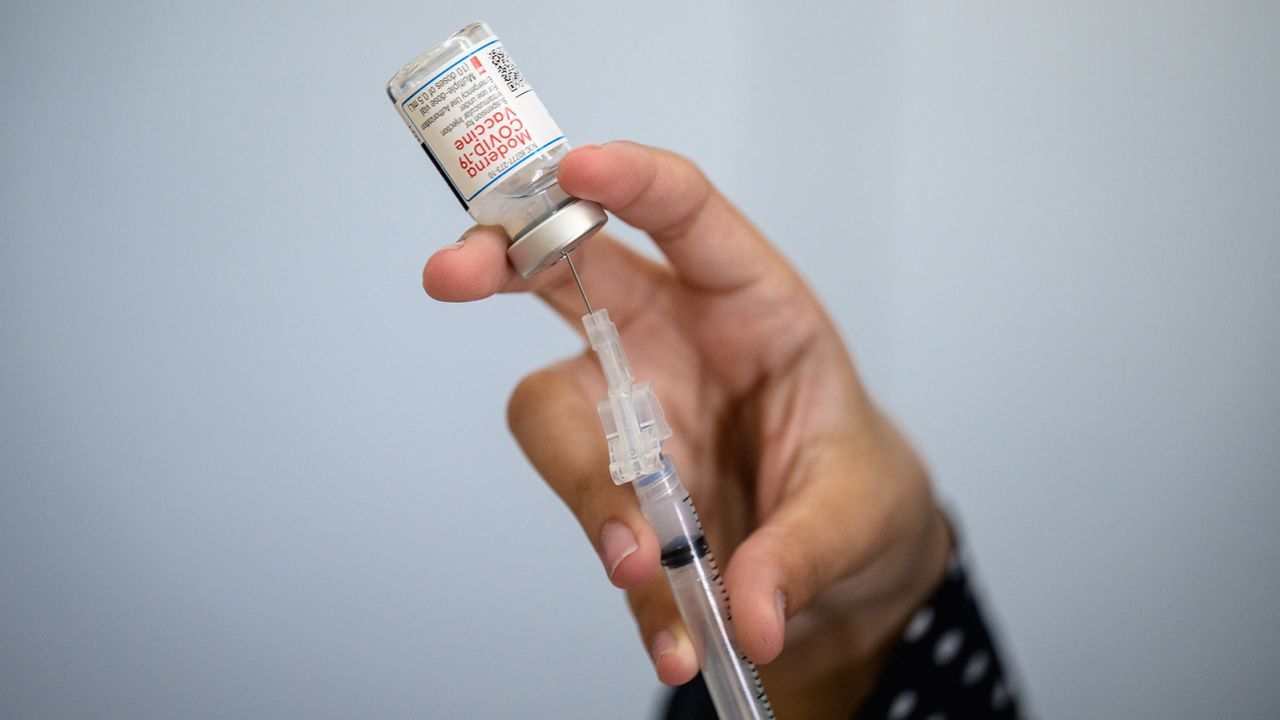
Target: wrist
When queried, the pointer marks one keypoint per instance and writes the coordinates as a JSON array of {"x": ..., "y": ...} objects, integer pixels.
[
  {"x": 927, "y": 573},
  {"x": 876, "y": 625}
]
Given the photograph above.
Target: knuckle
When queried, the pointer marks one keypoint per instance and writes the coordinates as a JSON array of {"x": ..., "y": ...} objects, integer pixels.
[
  {"x": 690, "y": 168},
  {"x": 528, "y": 397},
  {"x": 687, "y": 174},
  {"x": 536, "y": 413}
]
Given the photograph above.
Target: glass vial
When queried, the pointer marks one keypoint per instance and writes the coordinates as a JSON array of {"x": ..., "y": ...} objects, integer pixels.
[{"x": 496, "y": 145}]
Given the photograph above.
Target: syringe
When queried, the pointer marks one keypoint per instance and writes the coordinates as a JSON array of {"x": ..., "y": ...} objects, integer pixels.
[{"x": 635, "y": 428}]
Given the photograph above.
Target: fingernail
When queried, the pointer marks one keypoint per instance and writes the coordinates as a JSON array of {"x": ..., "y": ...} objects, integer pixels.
[
  {"x": 781, "y": 603},
  {"x": 616, "y": 543},
  {"x": 457, "y": 244},
  {"x": 663, "y": 643}
]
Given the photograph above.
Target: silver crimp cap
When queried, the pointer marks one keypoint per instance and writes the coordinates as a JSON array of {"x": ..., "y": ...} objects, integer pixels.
[{"x": 546, "y": 243}]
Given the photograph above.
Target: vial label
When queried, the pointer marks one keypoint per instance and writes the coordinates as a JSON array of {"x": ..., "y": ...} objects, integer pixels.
[{"x": 479, "y": 120}]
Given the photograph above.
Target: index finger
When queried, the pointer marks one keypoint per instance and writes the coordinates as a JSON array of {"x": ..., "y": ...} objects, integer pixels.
[
  {"x": 711, "y": 245},
  {"x": 476, "y": 267}
]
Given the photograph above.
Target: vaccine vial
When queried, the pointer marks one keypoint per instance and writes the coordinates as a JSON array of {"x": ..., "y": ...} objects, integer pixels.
[{"x": 494, "y": 142}]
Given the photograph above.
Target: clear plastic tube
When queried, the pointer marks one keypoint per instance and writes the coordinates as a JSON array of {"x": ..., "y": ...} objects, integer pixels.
[
  {"x": 635, "y": 428},
  {"x": 696, "y": 585}
]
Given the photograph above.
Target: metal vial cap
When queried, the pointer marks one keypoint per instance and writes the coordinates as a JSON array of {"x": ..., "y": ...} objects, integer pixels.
[{"x": 546, "y": 243}]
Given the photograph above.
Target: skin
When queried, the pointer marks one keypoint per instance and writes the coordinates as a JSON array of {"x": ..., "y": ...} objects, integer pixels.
[{"x": 820, "y": 506}]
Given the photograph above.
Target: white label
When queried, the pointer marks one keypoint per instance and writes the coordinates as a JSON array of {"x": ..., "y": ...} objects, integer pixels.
[{"x": 479, "y": 119}]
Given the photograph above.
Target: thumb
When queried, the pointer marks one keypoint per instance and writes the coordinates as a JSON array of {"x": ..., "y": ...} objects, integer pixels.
[{"x": 837, "y": 518}]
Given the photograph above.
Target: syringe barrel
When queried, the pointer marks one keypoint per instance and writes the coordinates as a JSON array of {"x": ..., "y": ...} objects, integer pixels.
[{"x": 698, "y": 589}]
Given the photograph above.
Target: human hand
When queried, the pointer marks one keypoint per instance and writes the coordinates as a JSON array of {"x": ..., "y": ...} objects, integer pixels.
[{"x": 820, "y": 506}]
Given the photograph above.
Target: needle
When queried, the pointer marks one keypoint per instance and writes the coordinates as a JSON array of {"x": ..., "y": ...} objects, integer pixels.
[{"x": 578, "y": 280}]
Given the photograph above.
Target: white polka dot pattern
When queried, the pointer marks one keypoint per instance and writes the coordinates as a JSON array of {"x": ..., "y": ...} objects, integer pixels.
[
  {"x": 975, "y": 668},
  {"x": 919, "y": 624},
  {"x": 902, "y": 705},
  {"x": 946, "y": 665},
  {"x": 999, "y": 696},
  {"x": 948, "y": 646}
]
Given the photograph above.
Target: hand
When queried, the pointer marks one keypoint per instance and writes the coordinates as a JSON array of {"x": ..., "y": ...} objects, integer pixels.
[{"x": 820, "y": 507}]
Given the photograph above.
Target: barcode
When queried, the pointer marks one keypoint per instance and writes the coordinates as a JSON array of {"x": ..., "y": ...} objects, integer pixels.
[{"x": 507, "y": 69}]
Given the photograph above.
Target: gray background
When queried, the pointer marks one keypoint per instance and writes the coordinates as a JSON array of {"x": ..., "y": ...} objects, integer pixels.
[{"x": 248, "y": 470}]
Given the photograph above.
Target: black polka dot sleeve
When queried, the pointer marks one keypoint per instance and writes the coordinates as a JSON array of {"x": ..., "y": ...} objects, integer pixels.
[{"x": 945, "y": 666}]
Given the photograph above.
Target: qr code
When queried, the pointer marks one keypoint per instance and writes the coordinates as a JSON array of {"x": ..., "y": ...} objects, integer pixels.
[{"x": 507, "y": 69}]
